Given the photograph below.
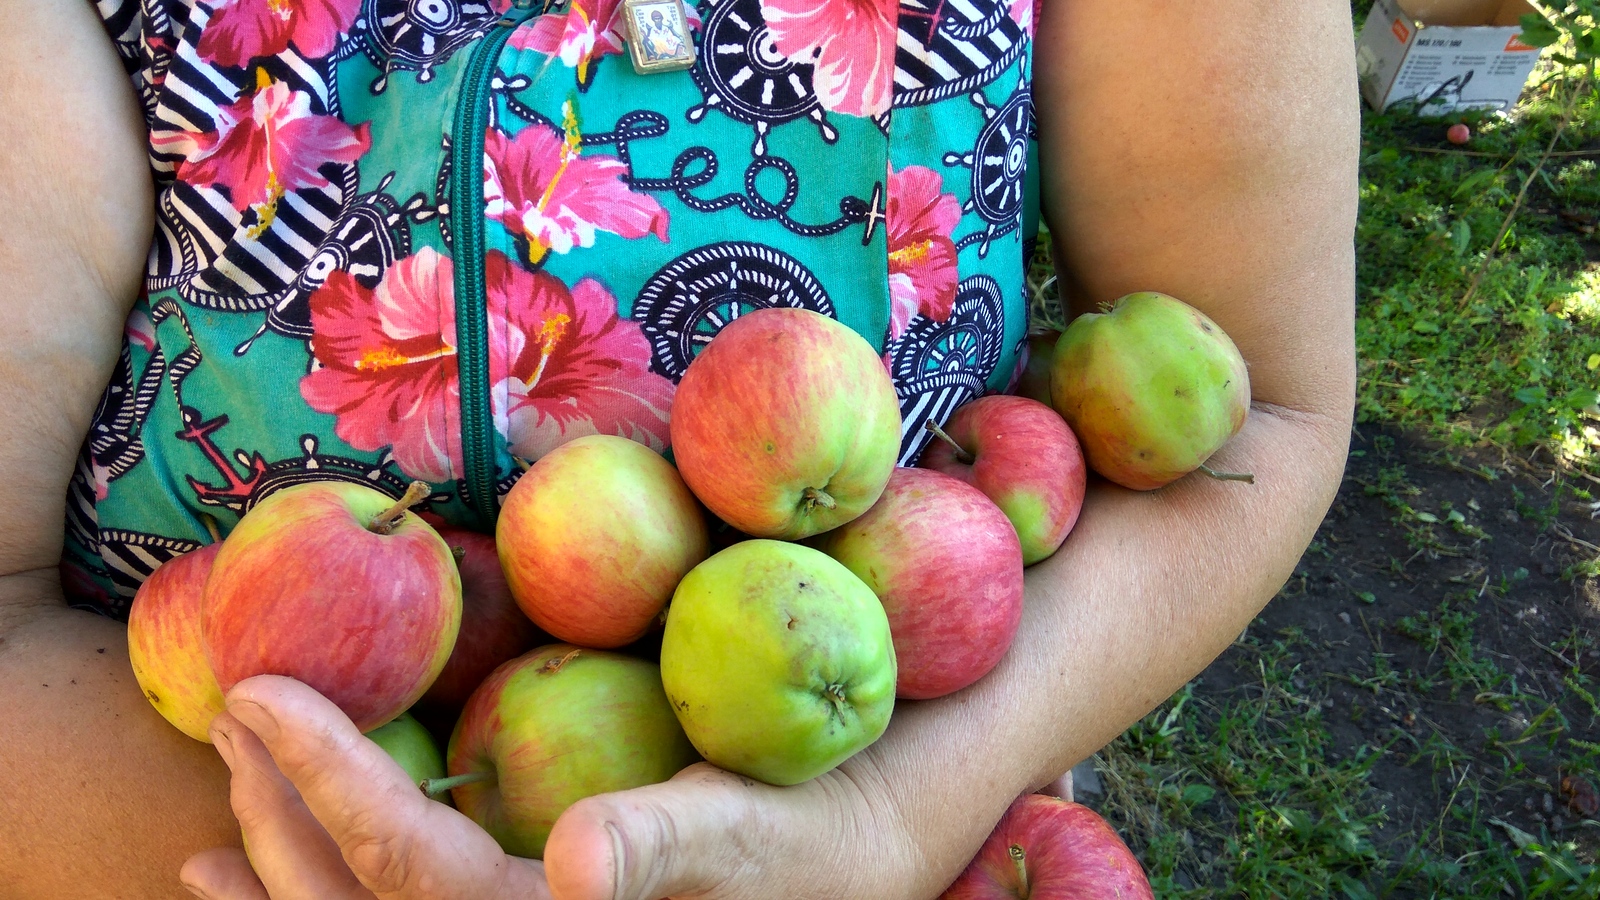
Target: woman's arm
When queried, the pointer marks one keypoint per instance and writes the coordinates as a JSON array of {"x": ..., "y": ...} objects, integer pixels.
[
  {"x": 98, "y": 796},
  {"x": 1206, "y": 150}
]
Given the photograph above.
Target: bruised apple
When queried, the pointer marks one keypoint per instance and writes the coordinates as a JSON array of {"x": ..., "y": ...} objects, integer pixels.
[
  {"x": 1022, "y": 455},
  {"x": 341, "y": 587},
  {"x": 786, "y": 425},
  {"x": 1050, "y": 849},
  {"x": 164, "y": 643},
  {"x": 594, "y": 538},
  {"x": 947, "y": 566},
  {"x": 555, "y": 726},
  {"x": 778, "y": 661},
  {"x": 1152, "y": 388}
]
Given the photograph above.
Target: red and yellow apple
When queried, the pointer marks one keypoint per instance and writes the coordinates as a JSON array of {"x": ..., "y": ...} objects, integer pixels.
[
  {"x": 1022, "y": 455},
  {"x": 164, "y": 643},
  {"x": 778, "y": 661},
  {"x": 1050, "y": 849},
  {"x": 947, "y": 566},
  {"x": 786, "y": 425},
  {"x": 555, "y": 726},
  {"x": 1152, "y": 388},
  {"x": 339, "y": 586},
  {"x": 594, "y": 538}
]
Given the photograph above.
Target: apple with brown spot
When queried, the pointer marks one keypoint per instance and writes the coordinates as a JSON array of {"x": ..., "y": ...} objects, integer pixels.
[{"x": 164, "y": 643}]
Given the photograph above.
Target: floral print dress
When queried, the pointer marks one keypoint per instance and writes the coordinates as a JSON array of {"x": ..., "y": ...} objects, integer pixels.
[{"x": 434, "y": 239}]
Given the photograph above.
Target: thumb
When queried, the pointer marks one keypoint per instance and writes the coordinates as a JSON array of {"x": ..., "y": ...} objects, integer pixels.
[{"x": 698, "y": 834}]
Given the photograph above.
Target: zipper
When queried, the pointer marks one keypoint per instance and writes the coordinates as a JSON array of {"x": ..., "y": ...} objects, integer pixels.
[{"x": 467, "y": 227}]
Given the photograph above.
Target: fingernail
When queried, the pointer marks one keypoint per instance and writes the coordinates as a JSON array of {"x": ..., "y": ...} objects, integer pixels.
[
  {"x": 222, "y": 739},
  {"x": 196, "y": 891},
  {"x": 256, "y": 718}
]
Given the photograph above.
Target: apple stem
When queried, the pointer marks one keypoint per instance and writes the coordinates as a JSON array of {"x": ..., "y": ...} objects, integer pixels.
[
  {"x": 815, "y": 497},
  {"x": 522, "y": 464},
  {"x": 1245, "y": 477},
  {"x": 388, "y": 520},
  {"x": 555, "y": 665},
  {"x": 962, "y": 456},
  {"x": 458, "y": 554},
  {"x": 433, "y": 787},
  {"x": 1019, "y": 858},
  {"x": 211, "y": 528}
]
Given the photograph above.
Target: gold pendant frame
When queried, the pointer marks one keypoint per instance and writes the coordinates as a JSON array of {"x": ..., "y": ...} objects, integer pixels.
[{"x": 658, "y": 35}]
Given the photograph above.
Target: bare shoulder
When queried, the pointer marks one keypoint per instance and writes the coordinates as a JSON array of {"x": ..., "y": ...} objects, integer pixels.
[
  {"x": 75, "y": 226},
  {"x": 1209, "y": 150}
]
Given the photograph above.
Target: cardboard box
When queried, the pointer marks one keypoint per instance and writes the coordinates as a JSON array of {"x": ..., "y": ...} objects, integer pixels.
[{"x": 1444, "y": 55}]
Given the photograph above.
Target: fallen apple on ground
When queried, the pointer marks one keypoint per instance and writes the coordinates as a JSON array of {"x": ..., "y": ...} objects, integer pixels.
[
  {"x": 786, "y": 425},
  {"x": 1050, "y": 849},
  {"x": 594, "y": 538},
  {"x": 947, "y": 567},
  {"x": 1152, "y": 388},
  {"x": 555, "y": 726},
  {"x": 778, "y": 661},
  {"x": 1022, "y": 455},
  {"x": 164, "y": 643},
  {"x": 341, "y": 587}
]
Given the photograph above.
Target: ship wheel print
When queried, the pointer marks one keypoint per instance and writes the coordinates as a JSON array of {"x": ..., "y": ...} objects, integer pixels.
[
  {"x": 685, "y": 304},
  {"x": 419, "y": 35},
  {"x": 999, "y": 165},
  {"x": 937, "y": 366},
  {"x": 741, "y": 72}
]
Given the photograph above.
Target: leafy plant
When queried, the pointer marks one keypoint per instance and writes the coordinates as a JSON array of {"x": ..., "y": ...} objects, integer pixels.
[{"x": 1574, "y": 20}]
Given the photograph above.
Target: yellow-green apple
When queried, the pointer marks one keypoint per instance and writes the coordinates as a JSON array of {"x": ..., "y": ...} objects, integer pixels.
[
  {"x": 1050, "y": 849},
  {"x": 595, "y": 536},
  {"x": 493, "y": 630},
  {"x": 778, "y": 661},
  {"x": 1034, "y": 382},
  {"x": 341, "y": 587},
  {"x": 1152, "y": 388},
  {"x": 555, "y": 726},
  {"x": 786, "y": 425},
  {"x": 947, "y": 567},
  {"x": 164, "y": 643},
  {"x": 1022, "y": 455},
  {"x": 410, "y": 745}
]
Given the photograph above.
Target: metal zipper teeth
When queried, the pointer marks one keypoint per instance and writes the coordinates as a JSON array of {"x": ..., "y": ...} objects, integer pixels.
[{"x": 467, "y": 229}]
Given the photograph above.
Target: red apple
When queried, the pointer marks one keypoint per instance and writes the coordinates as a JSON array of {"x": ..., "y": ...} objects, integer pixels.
[
  {"x": 555, "y": 726},
  {"x": 1035, "y": 380},
  {"x": 1458, "y": 134},
  {"x": 336, "y": 585},
  {"x": 493, "y": 629},
  {"x": 786, "y": 425},
  {"x": 1050, "y": 849},
  {"x": 596, "y": 536},
  {"x": 164, "y": 644},
  {"x": 1023, "y": 456},
  {"x": 947, "y": 567}
]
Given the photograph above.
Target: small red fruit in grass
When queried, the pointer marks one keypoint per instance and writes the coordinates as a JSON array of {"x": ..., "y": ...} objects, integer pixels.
[
  {"x": 1050, "y": 849},
  {"x": 1022, "y": 455},
  {"x": 164, "y": 644},
  {"x": 493, "y": 629},
  {"x": 1458, "y": 134},
  {"x": 595, "y": 538},
  {"x": 947, "y": 567},
  {"x": 786, "y": 425},
  {"x": 336, "y": 585}
]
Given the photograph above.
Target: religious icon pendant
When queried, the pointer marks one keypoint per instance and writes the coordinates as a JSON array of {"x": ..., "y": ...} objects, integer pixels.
[{"x": 658, "y": 35}]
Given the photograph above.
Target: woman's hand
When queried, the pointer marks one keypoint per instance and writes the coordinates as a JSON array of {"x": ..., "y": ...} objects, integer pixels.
[{"x": 327, "y": 815}]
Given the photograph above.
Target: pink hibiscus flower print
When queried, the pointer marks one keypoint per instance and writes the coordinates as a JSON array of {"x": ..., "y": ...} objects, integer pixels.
[
  {"x": 544, "y": 190},
  {"x": 563, "y": 364},
  {"x": 1026, "y": 14},
  {"x": 266, "y": 144},
  {"x": 241, "y": 30},
  {"x": 922, "y": 258},
  {"x": 850, "y": 43},
  {"x": 388, "y": 364},
  {"x": 587, "y": 31}
]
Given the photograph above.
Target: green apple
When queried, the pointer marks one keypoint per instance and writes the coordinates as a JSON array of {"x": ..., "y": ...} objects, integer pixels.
[
  {"x": 410, "y": 745},
  {"x": 778, "y": 661}
]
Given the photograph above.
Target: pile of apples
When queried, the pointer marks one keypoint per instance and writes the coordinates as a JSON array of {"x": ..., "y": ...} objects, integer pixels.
[{"x": 825, "y": 583}]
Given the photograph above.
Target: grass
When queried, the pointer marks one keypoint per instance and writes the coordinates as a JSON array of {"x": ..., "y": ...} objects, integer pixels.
[{"x": 1478, "y": 326}]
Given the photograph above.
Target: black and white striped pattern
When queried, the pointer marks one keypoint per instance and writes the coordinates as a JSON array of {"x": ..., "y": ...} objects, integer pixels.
[
  {"x": 131, "y": 556},
  {"x": 937, "y": 366},
  {"x": 950, "y": 47}
]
